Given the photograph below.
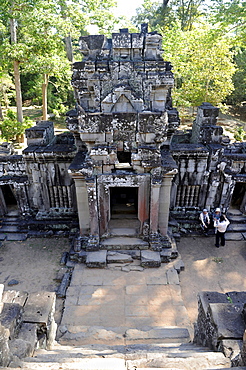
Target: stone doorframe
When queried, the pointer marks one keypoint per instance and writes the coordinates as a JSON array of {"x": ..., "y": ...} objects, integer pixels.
[
  {"x": 93, "y": 201},
  {"x": 3, "y": 206},
  {"x": 105, "y": 182}
]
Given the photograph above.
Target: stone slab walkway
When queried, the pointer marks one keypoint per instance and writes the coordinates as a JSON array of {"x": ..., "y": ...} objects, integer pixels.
[{"x": 111, "y": 306}]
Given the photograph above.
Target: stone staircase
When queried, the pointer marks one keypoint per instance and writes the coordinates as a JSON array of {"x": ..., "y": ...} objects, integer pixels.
[
  {"x": 187, "y": 224},
  {"x": 123, "y": 245},
  {"x": 170, "y": 355},
  {"x": 237, "y": 228},
  {"x": 10, "y": 227}
]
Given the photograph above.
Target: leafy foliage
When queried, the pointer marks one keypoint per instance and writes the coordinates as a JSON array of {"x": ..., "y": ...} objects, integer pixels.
[
  {"x": 240, "y": 134},
  {"x": 10, "y": 128},
  {"x": 42, "y": 29},
  {"x": 202, "y": 73}
]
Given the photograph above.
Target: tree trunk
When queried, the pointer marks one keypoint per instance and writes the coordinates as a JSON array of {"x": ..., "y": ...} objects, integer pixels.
[
  {"x": 164, "y": 3},
  {"x": 44, "y": 97},
  {"x": 1, "y": 113},
  {"x": 16, "y": 73},
  {"x": 69, "y": 48},
  {"x": 18, "y": 91}
]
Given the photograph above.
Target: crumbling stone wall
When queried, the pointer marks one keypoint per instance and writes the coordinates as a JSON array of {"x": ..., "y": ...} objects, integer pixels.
[
  {"x": 221, "y": 324},
  {"x": 208, "y": 167}
]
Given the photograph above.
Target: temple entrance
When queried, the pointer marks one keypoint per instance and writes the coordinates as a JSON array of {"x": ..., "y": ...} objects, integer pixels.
[
  {"x": 239, "y": 197},
  {"x": 7, "y": 200},
  {"x": 124, "y": 202}
]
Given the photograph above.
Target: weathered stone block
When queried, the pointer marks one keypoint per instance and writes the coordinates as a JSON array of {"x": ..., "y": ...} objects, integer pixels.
[
  {"x": 96, "y": 259},
  {"x": 60, "y": 274},
  {"x": 227, "y": 319},
  {"x": 39, "y": 308},
  {"x": 28, "y": 333},
  {"x": 61, "y": 292},
  {"x": 20, "y": 348},
  {"x": 232, "y": 349},
  {"x": 13, "y": 296},
  {"x": 172, "y": 277},
  {"x": 11, "y": 318},
  {"x": 150, "y": 258},
  {"x": 211, "y": 297},
  {"x": 5, "y": 355},
  {"x": 117, "y": 257}
]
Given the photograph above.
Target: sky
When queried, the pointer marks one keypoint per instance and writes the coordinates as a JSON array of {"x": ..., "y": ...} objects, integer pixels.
[{"x": 127, "y": 7}]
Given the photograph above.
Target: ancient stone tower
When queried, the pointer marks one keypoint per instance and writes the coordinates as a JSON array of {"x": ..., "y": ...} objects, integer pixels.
[{"x": 123, "y": 124}]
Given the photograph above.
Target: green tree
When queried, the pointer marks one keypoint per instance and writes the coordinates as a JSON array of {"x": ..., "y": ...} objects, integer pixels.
[
  {"x": 203, "y": 65},
  {"x": 169, "y": 13},
  {"x": 239, "y": 78},
  {"x": 230, "y": 16},
  {"x": 41, "y": 34}
]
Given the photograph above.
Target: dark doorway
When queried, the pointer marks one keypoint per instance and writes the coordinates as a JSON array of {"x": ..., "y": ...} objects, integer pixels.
[
  {"x": 8, "y": 199},
  {"x": 238, "y": 194},
  {"x": 124, "y": 201},
  {"x": 238, "y": 200}
]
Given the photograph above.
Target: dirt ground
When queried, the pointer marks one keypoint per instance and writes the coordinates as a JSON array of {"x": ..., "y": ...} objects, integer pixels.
[
  {"x": 34, "y": 263},
  {"x": 210, "y": 268}
]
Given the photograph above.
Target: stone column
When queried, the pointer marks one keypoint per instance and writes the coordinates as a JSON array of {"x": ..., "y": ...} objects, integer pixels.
[
  {"x": 3, "y": 207},
  {"x": 243, "y": 350},
  {"x": 164, "y": 201},
  {"x": 143, "y": 200},
  {"x": 82, "y": 205},
  {"x": 154, "y": 207},
  {"x": 93, "y": 209}
]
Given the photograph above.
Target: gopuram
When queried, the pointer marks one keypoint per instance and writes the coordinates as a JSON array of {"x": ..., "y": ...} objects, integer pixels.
[{"x": 124, "y": 161}]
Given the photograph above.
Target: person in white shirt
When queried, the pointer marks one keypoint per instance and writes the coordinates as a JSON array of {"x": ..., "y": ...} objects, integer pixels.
[
  {"x": 220, "y": 227},
  {"x": 205, "y": 220}
]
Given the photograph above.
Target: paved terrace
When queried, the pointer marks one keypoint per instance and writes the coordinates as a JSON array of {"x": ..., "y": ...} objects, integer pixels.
[{"x": 111, "y": 306}]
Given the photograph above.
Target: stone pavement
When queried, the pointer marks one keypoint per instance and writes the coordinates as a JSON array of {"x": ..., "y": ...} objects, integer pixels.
[{"x": 111, "y": 306}]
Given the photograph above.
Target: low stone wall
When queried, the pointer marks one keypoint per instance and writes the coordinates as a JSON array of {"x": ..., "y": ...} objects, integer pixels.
[
  {"x": 221, "y": 324},
  {"x": 26, "y": 323}
]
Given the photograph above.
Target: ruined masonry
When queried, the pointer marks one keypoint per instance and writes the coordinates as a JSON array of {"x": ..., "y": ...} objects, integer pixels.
[{"x": 124, "y": 175}]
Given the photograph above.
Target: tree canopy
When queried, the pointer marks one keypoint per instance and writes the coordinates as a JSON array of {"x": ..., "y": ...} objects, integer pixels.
[{"x": 203, "y": 40}]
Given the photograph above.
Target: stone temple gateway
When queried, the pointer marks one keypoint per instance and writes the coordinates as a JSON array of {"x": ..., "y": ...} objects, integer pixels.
[
  {"x": 125, "y": 121},
  {"x": 123, "y": 161}
]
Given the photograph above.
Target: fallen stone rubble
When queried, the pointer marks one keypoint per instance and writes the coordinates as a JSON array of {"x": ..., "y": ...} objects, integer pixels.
[{"x": 26, "y": 324}]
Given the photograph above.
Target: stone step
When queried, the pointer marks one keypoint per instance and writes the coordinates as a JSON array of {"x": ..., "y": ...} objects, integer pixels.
[
  {"x": 120, "y": 336},
  {"x": 124, "y": 231},
  {"x": 234, "y": 212},
  {"x": 235, "y": 236},
  {"x": 9, "y": 229},
  {"x": 240, "y": 219},
  {"x": 236, "y": 228},
  {"x": 18, "y": 236},
  {"x": 207, "y": 360},
  {"x": 120, "y": 216},
  {"x": 141, "y": 356},
  {"x": 10, "y": 220},
  {"x": 77, "y": 363},
  {"x": 124, "y": 242},
  {"x": 128, "y": 222}
]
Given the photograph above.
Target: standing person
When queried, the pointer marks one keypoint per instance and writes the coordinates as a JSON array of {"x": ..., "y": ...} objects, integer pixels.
[
  {"x": 216, "y": 214},
  {"x": 205, "y": 221},
  {"x": 220, "y": 229}
]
